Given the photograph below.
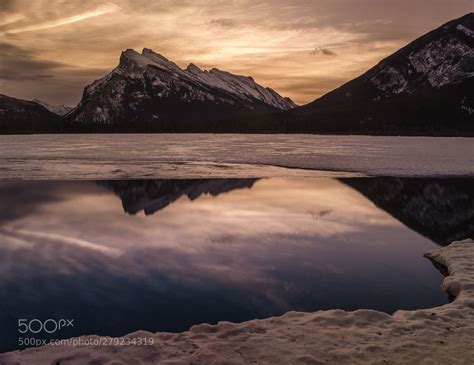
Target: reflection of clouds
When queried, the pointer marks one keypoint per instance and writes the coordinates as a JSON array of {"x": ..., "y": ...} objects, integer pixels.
[
  {"x": 25, "y": 235},
  {"x": 274, "y": 213},
  {"x": 20, "y": 199},
  {"x": 271, "y": 215},
  {"x": 254, "y": 251},
  {"x": 8, "y": 240},
  {"x": 275, "y": 206}
]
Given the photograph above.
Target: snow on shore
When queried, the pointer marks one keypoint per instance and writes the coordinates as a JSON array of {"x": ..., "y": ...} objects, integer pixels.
[{"x": 443, "y": 335}]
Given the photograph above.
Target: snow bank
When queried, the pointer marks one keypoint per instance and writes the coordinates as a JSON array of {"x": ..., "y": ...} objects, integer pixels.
[{"x": 443, "y": 335}]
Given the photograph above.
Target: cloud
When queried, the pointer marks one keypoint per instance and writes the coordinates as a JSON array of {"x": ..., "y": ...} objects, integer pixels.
[
  {"x": 322, "y": 51},
  {"x": 18, "y": 64},
  {"x": 69, "y": 41},
  {"x": 24, "y": 74},
  {"x": 6, "y": 5},
  {"x": 11, "y": 18},
  {"x": 100, "y": 10},
  {"x": 223, "y": 22}
]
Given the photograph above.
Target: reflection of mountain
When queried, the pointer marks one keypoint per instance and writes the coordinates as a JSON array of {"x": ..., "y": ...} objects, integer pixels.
[
  {"x": 440, "y": 209},
  {"x": 153, "y": 195}
]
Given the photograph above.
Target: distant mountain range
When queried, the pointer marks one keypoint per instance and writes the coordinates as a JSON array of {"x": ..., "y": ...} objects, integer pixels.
[
  {"x": 56, "y": 109},
  {"x": 426, "y": 88},
  {"x": 20, "y": 116}
]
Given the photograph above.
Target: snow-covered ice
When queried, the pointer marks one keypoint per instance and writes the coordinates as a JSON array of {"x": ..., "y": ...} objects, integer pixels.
[{"x": 171, "y": 156}]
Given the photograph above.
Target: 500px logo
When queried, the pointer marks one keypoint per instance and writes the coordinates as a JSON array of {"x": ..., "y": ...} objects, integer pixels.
[{"x": 48, "y": 326}]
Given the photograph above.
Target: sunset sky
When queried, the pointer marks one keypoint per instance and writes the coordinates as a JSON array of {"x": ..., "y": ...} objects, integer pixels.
[{"x": 51, "y": 49}]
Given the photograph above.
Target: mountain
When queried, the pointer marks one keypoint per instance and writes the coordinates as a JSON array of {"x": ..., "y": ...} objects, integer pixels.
[
  {"x": 56, "y": 109},
  {"x": 440, "y": 209},
  {"x": 151, "y": 196},
  {"x": 150, "y": 93},
  {"x": 424, "y": 88},
  {"x": 22, "y": 116}
]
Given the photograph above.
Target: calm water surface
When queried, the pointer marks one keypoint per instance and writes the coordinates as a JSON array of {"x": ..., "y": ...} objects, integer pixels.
[{"x": 162, "y": 255}]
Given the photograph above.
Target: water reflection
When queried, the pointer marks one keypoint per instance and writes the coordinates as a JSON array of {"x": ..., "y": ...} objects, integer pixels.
[
  {"x": 150, "y": 196},
  {"x": 223, "y": 250},
  {"x": 440, "y": 209}
]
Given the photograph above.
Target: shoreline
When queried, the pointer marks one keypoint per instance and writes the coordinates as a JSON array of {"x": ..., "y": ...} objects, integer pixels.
[{"x": 443, "y": 334}]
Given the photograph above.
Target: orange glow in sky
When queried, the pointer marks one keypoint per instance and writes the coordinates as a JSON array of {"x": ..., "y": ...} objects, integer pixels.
[{"x": 51, "y": 49}]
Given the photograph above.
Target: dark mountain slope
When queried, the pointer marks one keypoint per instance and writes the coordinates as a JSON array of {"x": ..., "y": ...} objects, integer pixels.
[
  {"x": 21, "y": 116},
  {"x": 426, "y": 88}
]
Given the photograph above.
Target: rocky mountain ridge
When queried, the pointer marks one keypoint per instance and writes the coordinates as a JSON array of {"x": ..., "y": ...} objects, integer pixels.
[{"x": 149, "y": 90}]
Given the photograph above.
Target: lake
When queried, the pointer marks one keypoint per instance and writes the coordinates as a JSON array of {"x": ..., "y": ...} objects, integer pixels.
[
  {"x": 163, "y": 255},
  {"x": 161, "y": 232}
]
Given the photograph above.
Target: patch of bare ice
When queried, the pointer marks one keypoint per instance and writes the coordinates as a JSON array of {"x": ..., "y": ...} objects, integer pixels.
[{"x": 443, "y": 335}]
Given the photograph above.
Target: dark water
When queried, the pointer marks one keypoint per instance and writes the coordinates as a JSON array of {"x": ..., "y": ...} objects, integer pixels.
[{"x": 162, "y": 255}]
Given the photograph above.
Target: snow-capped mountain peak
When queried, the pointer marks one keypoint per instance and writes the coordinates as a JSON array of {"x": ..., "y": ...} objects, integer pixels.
[
  {"x": 148, "y": 87},
  {"x": 193, "y": 69},
  {"x": 134, "y": 64},
  {"x": 131, "y": 60}
]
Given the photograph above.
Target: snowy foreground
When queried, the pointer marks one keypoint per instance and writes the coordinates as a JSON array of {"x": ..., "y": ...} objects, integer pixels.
[{"x": 443, "y": 335}]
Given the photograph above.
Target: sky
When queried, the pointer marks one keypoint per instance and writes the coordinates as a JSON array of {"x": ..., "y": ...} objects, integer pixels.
[{"x": 51, "y": 49}]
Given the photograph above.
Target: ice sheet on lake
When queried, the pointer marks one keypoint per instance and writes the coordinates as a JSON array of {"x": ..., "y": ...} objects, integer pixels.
[{"x": 124, "y": 156}]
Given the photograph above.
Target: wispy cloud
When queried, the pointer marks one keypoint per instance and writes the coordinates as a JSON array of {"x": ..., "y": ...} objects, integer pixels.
[
  {"x": 223, "y": 22},
  {"x": 101, "y": 10},
  {"x": 273, "y": 41},
  {"x": 322, "y": 51},
  {"x": 10, "y": 19}
]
